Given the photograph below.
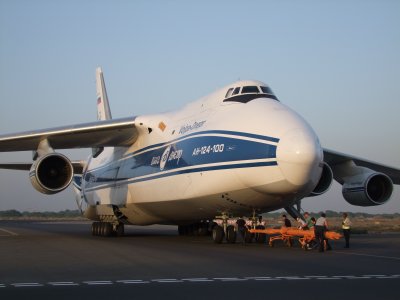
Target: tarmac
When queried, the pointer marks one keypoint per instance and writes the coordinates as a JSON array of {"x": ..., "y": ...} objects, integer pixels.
[{"x": 63, "y": 260}]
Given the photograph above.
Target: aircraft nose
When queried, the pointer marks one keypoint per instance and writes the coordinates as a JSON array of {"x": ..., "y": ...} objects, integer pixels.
[{"x": 299, "y": 155}]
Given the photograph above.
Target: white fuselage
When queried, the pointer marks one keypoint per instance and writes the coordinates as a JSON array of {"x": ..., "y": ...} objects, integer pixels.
[{"x": 208, "y": 158}]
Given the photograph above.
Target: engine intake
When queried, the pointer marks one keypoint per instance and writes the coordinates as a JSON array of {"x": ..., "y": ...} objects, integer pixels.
[
  {"x": 324, "y": 182},
  {"x": 51, "y": 173},
  {"x": 368, "y": 189}
]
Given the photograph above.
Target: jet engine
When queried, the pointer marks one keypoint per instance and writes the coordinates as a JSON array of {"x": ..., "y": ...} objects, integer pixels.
[
  {"x": 51, "y": 173},
  {"x": 367, "y": 189},
  {"x": 324, "y": 182}
]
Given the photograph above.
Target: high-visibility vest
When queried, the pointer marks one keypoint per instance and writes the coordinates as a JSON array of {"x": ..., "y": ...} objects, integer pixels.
[{"x": 346, "y": 224}]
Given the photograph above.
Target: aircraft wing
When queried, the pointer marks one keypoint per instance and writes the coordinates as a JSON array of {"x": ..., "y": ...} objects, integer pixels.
[
  {"x": 333, "y": 158},
  {"x": 108, "y": 133}
]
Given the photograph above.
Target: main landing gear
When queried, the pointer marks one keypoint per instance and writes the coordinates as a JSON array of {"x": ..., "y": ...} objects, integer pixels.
[
  {"x": 107, "y": 229},
  {"x": 226, "y": 229}
]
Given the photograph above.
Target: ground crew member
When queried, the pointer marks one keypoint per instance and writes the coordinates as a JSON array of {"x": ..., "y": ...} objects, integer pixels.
[
  {"x": 286, "y": 221},
  {"x": 321, "y": 227},
  {"x": 309, "y": 222},
  {"x": 241, "y": 224},
  {"x": 346, "y": 223},
  {"x": 302, "y": 224}
]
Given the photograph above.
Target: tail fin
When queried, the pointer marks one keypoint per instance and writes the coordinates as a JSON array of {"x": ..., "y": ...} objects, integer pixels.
[{"x": 103, "y": 107}]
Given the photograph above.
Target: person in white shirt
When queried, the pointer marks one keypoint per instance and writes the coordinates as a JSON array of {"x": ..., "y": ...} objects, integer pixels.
[
  {"x": 302, "y": 224},
  {"x": 321, "y": 226}
]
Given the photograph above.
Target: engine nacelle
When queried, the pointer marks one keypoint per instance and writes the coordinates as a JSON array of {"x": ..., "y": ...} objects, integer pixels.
[
  {"x": 367, "y": 189},
  {"x": 51, "y": 173},
  {"x": 324, "y": 182}
]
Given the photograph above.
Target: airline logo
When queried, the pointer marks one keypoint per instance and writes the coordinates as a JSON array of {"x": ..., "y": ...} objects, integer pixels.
[{"x": 164, "y": 158}]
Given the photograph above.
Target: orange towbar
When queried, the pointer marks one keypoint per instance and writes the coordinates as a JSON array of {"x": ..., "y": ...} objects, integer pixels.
[{"x": 286, "y": 234}]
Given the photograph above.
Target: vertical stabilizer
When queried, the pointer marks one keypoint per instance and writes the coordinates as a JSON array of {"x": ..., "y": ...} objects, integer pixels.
[{"x": 103, "y": 107}]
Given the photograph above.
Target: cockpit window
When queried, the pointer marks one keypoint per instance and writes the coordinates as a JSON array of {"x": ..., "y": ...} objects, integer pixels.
[
  {"x": 266, "y": 90},
  {"x": 246, "y": 94},
  {"x": 250, "y": 89},
  {"x": 236, "y": 91},
  {"x": 229, "y": 93}
]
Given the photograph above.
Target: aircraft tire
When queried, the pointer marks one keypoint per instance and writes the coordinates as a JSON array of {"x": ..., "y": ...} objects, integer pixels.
[
  {"x": 230, "y": 234},
  {"x": 120, "y": 229},
  {"x": 94, "y": 228},
  {"x": 218, "y": 234},
  {"x": 102, "y": 229},
  {"x": 181, "y": 230},
  {"x": 107, "y": 229},
  {"x": 97, "y": 228}
]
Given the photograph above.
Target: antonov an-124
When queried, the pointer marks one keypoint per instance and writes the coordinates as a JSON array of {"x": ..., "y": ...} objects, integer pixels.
[{"x": 236, "y": 152}]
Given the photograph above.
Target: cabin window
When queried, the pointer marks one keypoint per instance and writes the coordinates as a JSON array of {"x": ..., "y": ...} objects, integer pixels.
[
  {"x": 266, "y": 90},
  {"x": 236, "y": 91},
  {"x": 229, "y": 93},
  {"x": 250, "y": 89}
]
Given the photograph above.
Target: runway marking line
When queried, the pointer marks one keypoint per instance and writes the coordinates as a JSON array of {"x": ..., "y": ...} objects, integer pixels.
[
  {"x": 197, "y": 279},
  {"x": 230, "y": 279},
  {"x": 293, "y": 278},
  {"x": 27, "y": 284},
  {"x": 9, "y": 233},
  {"x": 132, "y": 281},
  {"x": 62, "y": 283},
  {"x": 200, "y": 279},
  {"x": 98, "y": 282}
]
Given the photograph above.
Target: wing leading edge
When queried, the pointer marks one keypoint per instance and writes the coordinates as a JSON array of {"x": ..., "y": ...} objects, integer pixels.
[
  {"x": 108, "y": 133},
  {"x": 333, "y": 158}
]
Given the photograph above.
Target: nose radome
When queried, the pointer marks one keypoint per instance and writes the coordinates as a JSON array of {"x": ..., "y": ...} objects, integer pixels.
[{"x": 299, "y": 155}]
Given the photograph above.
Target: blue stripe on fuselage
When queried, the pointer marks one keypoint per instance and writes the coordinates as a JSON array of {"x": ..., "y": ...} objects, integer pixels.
[{"x": 186, "y": 155}]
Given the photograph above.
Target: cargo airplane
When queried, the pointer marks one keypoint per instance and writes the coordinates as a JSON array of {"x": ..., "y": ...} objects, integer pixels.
[{"x": 238, "y": 151}]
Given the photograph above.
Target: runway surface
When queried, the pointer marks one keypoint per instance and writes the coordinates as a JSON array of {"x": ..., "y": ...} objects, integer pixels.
[{"x": 62, "y": 260}]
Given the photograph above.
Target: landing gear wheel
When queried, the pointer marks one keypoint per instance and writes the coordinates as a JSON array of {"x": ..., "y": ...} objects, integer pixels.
[
  {"x": 94, "y": 228},
  {"x": 107, "y": 229},
  {"x": 181, "y": 229},
  {"x": 120, "y": 229},
  {"x": 97, "y": 228},
  {"x": 230, "y": 234},
  {"x": 218, "y": 234}
]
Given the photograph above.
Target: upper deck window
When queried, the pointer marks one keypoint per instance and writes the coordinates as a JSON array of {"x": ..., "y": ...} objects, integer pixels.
[{"x": 250, "y": 89}]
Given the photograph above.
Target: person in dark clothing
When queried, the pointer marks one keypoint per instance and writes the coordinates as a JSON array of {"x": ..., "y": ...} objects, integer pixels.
[
  {"x": 241, "y": 225},
  {"x": 286, "y": 221}
]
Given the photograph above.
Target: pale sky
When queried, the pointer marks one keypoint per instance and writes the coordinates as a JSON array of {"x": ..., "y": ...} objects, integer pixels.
[{"x": 335, "y": 62}]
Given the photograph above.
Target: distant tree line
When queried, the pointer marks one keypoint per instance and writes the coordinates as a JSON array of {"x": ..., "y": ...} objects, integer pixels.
[
  {"x": 12, "y": 213},
  {"x": 333, "y": 214}
]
